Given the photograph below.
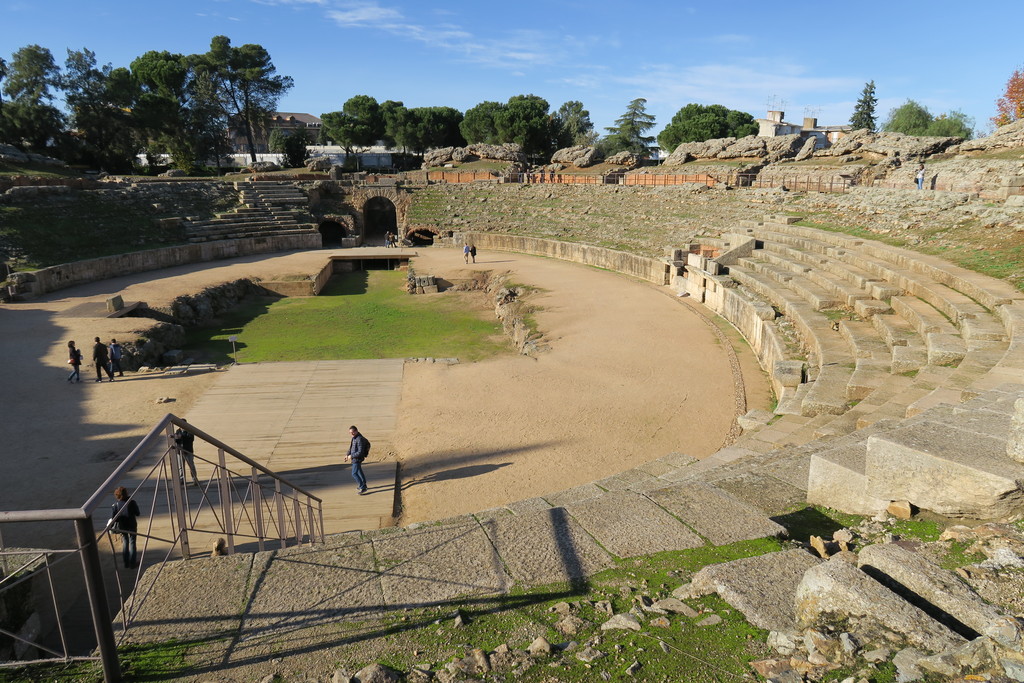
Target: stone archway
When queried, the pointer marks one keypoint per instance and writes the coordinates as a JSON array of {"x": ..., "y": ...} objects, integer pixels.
[
  {"x": 331, "y": 233},
  {"x": 388, "y": 205},
  {"x": 334, "y": 227}
]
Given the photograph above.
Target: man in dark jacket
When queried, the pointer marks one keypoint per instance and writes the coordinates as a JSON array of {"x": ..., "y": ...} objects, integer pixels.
[
  {"x": 102, "y": 360},
  {"x": 357, "y": 452}
]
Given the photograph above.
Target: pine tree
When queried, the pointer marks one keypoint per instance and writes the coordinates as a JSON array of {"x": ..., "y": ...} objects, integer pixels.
[
  {"x": 864, "y": 110},
  {"x": 628, "y": 131}
]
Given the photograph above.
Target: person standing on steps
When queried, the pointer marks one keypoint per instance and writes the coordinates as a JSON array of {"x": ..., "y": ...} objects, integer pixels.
[
  {"x": 357, "y": 452},
  {"x": 919, "y": 177},
  {"x": 123, "y": 514},
  {"x": 75, "y": 361},
  {"x": 101, "y": 358},
  {"x": 185, "y": 441}
]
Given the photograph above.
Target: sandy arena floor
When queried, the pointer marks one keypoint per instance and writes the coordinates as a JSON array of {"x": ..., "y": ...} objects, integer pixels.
[{"x": 632, "y": 374}]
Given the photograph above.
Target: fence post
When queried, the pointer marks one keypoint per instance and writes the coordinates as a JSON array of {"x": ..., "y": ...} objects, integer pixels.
[
  {"x": 101, "y": 622},
  {"x": 178, "y": 495},
  {"x": 225, "y": 502},
  {"x": 312, "y": 526},
  {"x": 257, "y": 502},
  {"x": 281, "y": 531},
  {"x": 297, "y": 511}
]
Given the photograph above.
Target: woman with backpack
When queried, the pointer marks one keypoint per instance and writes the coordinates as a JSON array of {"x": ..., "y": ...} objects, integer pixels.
[
  {"x": 75, "y": 361},
  {"x": 123, "y": 514}
]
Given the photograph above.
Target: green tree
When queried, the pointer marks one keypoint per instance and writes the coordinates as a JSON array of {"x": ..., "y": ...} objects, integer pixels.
[
  {"x": 628, "y": 132},
  {"x": 574, "y": 126},
  {"x": 955, "y": 124},
  {"x": 161, "y": 109},
  {"x": 357, "y": 126},
  {"x": 525, "y": 121},
  {"x": 248, "y": 86},
  {"x": 30, "y": 120},
  {"x": 433, "y": 127},
  {"x": 698, "y": 122},
  {"x": 480, "y": 125},
  {"x": 864, "y": 110},
  {"x": 910, "y": 118},
  {"x": 99, "y": 100},
  {"x": 292, "y": 145},
  {"x": 395, "y": 115}
]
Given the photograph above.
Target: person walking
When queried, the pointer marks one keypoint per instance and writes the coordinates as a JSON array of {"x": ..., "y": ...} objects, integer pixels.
[
  {"x": 472, "y": 252},
  {"x": 185, "y": 441},
  {"x": 101, "y": 358},
  {"x": 357, "y": 452},
  {"x": 123, "y": 520},
  {"x": 465, "y": 253},
  {"x": 116, "y": 354},
  {"x": 75, "y": 361}
]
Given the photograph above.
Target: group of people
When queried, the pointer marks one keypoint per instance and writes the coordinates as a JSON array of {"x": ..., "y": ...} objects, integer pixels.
[
  {"x": 390, "y": 239},
  {"x": 469, "y": 252},
  {"x": 106, "y": 358}
]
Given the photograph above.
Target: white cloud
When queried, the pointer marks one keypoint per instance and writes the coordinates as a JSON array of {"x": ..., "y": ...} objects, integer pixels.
[
  {"x": 320, "y": 3},
  {"x": 512, "y": 49}
]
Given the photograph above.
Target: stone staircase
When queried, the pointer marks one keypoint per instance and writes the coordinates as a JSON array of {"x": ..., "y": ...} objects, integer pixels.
[{"x": 268, "y": 208}]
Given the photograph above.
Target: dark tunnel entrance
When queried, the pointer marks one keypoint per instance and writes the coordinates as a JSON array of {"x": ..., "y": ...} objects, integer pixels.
[
  {"x": 331, "y": 233},
  {"x": 379, "y": 217}
]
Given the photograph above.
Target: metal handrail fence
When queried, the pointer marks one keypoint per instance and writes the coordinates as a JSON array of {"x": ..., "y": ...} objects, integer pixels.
[{"x": 237, "y": 500}]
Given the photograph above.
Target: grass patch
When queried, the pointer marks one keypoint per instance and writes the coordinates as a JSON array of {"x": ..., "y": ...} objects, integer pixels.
[
  {"x": 366, "y": 314},
  {"x": 958, "y": 556}
]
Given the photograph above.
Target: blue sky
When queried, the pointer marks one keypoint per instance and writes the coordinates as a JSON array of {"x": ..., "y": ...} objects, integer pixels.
[{"x": 805, "y": 58}]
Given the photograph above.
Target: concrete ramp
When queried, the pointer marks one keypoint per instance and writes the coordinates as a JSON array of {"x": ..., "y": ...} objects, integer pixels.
[{"x": 294, "y": 417}]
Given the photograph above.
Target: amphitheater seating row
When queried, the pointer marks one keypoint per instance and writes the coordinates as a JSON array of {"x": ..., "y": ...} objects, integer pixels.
[{"x": 268, "y": 208}]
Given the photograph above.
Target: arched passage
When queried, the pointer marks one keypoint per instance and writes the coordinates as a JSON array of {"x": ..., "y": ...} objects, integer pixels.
[
  {"x": 331, "y": 233},
  {"x": 379, "y": 217}
]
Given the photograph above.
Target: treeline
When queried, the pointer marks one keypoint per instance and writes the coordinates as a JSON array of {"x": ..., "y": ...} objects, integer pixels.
[
  {"x": 163, "y": 103},
  {"x": 184, "y": 105}
]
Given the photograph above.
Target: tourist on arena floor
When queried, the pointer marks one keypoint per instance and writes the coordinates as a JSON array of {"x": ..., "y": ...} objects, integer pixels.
[
  {"x": 357, "y": 452},
  {"x": 75, "y": 361},
  {"x": 472, "y": 252},
  {"x": 123, "y": 521},
  {"x": 465, "y": 253},
  {"x": 116, "y": 354},
  {"x": 101, "y": 357}
]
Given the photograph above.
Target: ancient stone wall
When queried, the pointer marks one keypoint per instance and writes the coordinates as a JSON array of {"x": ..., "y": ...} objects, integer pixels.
[
  {"x": 652, "y": 270},
  {"x": 66, "y": 275}
]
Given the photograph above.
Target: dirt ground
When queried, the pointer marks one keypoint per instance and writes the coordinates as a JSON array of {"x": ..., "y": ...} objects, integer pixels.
[{"x": 631, "y": 375}]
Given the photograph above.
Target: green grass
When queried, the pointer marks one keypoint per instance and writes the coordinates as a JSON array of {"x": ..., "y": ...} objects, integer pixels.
[{"x": 366, "y": 314}]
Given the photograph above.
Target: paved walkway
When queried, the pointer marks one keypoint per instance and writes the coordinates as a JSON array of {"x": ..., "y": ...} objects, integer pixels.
[{"x": 293, "y": 418}]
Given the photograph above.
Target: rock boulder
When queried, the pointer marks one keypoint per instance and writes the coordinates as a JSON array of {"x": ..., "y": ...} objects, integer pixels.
[{"x": 579, "y": 156}]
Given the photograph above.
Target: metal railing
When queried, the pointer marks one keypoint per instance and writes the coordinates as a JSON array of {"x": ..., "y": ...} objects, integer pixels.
[{"x": 235, "y": 500}]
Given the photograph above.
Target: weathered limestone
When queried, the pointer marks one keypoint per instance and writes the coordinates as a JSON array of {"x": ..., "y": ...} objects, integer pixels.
[
  {"x": 1015, "y": 441},
  {"x": 939, "y": 588},
  {"x": 946, "y": 469},
  {"x": 763, "y": 588},
  {"x": 837, "y": 587}
]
